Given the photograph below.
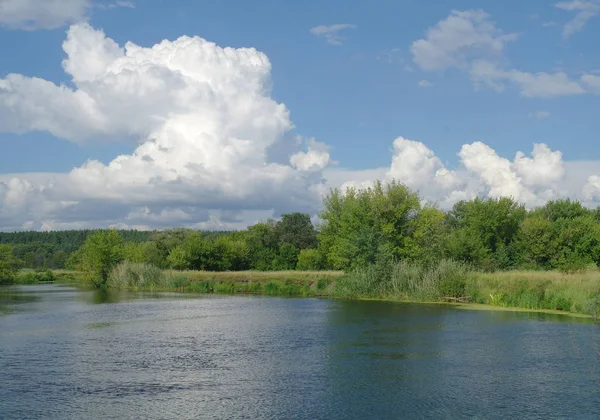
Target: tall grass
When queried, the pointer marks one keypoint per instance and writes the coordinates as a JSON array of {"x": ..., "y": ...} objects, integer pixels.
[
  {"x": 451, "y": 281},
  {"x": 130, "y": 276},
  {"x": 407, "y": 281},
  {"x": 137, "y": 277},
  {"x": 574, "y": 292}
]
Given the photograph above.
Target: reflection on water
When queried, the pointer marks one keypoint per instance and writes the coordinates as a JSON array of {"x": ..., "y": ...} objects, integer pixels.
[{"x": 66, "y": 353}]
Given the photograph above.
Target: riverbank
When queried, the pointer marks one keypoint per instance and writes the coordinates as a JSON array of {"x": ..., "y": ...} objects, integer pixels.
[{"x": 547, "y": 291}]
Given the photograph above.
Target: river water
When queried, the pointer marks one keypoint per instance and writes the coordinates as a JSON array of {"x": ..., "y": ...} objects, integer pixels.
[{"x": 72, "y": 354}]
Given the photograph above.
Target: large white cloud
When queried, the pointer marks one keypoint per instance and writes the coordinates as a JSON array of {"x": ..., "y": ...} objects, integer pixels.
[{"x": 205, "y": 120}]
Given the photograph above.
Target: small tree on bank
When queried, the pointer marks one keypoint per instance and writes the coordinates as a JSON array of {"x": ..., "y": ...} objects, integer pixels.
[
  {"x": 9, "y": 265},
  {"x": 100, "y": 253}
]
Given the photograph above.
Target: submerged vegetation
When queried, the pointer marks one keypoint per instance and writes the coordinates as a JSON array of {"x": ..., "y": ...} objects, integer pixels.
[{"x": 381, "y": 242}]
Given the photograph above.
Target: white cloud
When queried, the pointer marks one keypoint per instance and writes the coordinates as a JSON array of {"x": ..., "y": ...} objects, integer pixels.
[
  {"x": 592, "y": 82},
  {"x": 532, "y": 85},
  {"x": 585, "y": 10},
  {"x": 470, "y": 41},
  {"x": 331, "y": 33},
  {"x": 315, "y": 159},
  {"x": 425, "y": 83},
  {"x": 41, "y": 14},
  {"x": 206, "y": 124},
  {"x": 548, "y": 24},
  {"x": 540, "y": 115},
  {"x": 456, "y": 40},
  {"x": 483, "y": 173},
  {"x": 118, "y": 3}
]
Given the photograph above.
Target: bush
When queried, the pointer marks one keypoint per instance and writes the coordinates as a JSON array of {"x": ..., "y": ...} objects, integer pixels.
[
  {"x": 34, "y": 277},
  {"x": 311, "y": 260}
]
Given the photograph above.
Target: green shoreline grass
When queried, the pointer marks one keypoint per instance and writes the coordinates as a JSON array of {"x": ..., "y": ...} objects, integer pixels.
[{"x": 552, "y": 292}]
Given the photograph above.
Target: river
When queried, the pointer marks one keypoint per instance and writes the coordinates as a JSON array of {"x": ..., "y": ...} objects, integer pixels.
[{"x": 67, "y": 353}]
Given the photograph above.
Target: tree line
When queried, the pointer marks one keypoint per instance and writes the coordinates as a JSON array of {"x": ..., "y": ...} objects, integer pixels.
[{"x": 357, "y": 228}]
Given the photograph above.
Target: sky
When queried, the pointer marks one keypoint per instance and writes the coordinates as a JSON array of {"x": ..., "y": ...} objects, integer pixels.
[{"x": 150, "y": 114}]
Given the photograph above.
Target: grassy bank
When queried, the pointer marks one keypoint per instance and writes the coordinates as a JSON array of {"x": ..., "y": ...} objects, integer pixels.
[
  {"x": 28, "y": 276},
  {"x": 129, "y": 276},
  {"x": 450, "y": 281},
  {"x": 446, "y": 281},
  {"x": 538, "y": 290}
]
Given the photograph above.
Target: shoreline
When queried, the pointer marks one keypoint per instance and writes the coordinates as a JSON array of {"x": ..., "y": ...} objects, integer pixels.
[{"x": 323, "y": 284}]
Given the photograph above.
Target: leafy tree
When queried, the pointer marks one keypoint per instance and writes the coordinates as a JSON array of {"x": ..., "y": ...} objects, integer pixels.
[
  {"x": 537, "y": 242},
  {"x": 359, "y": 224},
  {"x": 466, "y": 245},
  {"x": 296, "y": 229},
  {"x": 100, "y": 253},
  {"x": 134, "y": 252},
  {"x": 561, "y": 209},
  {"x": 9, "y": 265},
  {"x": 429, "y": 232},
  {"x": 178, "y": 258},
  {"x": 481, "y": 226},
  {"x": 236, "y": 254},
  {"x": 287, "y": 258},
  {"x": 263, "y": 243},
  {"x": 311, "y": 260}
]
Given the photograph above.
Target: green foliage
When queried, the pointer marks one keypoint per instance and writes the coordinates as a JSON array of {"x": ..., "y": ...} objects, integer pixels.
[
  {"x": 296, "y": 229},
  {"x": 100, "y": 253},
  {"x": 311, "y": 259},
  {"x": 35, "y": 277},
  {"x": 358, "y": 223},
  {"x": 287, "y": 258},
  {"x": 9, "y": 264}
]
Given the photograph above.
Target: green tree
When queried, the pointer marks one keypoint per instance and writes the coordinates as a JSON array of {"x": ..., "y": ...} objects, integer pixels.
[
  {"x": 9, "y": 265},
  {"x": 236, "y": 253},
  {"x": 360, "y": 225},
  {"x": 426, "y": 244},
  {"x": 178, "y": 258},
  {"x": 537, "y": 242},
  {"x": 100, "y": 253},
  {"x": 263, "y": 243},
  {"x": 561, "y": 209},
  {"x": 311, "y": 260},
  {"x": 134, "y": 252},
  {"x": 481, "y": 226},
  {"x": 287, "y": 257},
  {"x": 296, "y": 229}
]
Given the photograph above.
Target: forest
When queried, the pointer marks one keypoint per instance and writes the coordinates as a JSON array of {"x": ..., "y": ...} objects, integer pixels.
[{"x": 357, "y": 228}]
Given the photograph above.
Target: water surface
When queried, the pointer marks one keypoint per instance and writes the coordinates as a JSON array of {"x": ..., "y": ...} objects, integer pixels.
[{"x": 72, "y": 354}]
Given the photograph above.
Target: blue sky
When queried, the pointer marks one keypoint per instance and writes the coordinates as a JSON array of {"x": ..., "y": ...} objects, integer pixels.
[{"x": 355, "y": 97}]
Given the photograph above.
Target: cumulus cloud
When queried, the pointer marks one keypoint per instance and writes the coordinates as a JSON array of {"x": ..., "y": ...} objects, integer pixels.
[
  {"x": 425, "y": 83},
  {"x": 41, "y": 14},
  {"x": 205, "y": 121},
  {"x": 470, "y": 41},
  {"x": 584, "y": 11},
  {"x": 481, "y": 172},
  {"x": 314, "y": 160},
  {"x": 331, "y": 33}
]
